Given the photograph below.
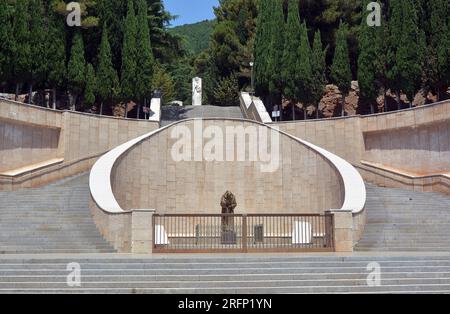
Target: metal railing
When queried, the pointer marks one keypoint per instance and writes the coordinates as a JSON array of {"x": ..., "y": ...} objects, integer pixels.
[{"x": 194, "y": 233}]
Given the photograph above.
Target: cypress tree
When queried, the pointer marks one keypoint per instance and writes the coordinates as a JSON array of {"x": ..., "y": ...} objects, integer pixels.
[
  {"x": 341, "y": 73},
  {"x": 107, "y": 78},
  {"x": 405, "y": 48},
  {"x": 438, "y": 46},
  {"x": 55, "y": 54},
  {"x": 144, "y": 58},
  {"x": 5, "y": 39},
  {"x": 129, "y": 54},
  {"x": 291, "y": 57},
  {"x": 37, "y": 32},
  {"x": 304, "y": 69},
  {"x": 260, "y": 49},
  {"x": 89, "y": 91},
  {"x": 76, "y": 69},
  {"x": 275, "y": 50},
  {"x": 20, "y": 44},
  {"x": 370, "y": 64},
  {"x": 318, "y": 67}
]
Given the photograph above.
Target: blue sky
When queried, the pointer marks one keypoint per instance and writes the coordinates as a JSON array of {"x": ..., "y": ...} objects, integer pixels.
[{"x": 191, "y": 11}]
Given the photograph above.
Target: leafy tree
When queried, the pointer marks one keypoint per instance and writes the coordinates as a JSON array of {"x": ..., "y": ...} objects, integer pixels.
[
  {"x": 291, "y": 57},
  {"x": 163, "y": 82},
  {"x": 370, "y": 61},
  {"x": 76, "y": 69},
  {"x": 107, "y": 78},
  {"x": 37, "y": 32},
  {"x": 318, "y": 68},
  {"x": 226, "y": 92},
  {"x": 5, "y": 39},
  {"x": 129, "y": 54},
  {"x": 21, "y": 46},
  {"x": 305, "y": 84},
  {"x": 438, "y": 56},
  {"x": 55, "y": 54},
  {"x": 405, "y": 48},
  {"x": 144, "y": 59},
  {"x": 260, "y": 49},
  {"x": 196, "y": 37},
  {"x": 89, "y": 92},
  {"x": 275, "y": 51},
  {"x": 341, "y": 73}
]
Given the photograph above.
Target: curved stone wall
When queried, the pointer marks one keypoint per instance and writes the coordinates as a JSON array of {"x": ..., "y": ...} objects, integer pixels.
[
  {"x": 39, "y": 145},
  {"x": 147, "y": 176}
]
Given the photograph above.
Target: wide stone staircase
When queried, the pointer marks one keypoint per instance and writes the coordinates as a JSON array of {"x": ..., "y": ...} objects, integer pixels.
[
  {"x": 229, "y": 274},
  {"x": 170, "y": 114},
  {"x": 402, "y": 221},
  {"x": 52, "y": 219}
]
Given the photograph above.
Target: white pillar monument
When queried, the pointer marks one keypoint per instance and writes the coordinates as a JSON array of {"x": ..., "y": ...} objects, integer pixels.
[{"x": 196, "y": 91}]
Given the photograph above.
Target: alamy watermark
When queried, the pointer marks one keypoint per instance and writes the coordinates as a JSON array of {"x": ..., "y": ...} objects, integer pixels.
[
  {"x": 374, "y": 277},
  {"x": 73, "y": 279},
  {"x": 74, "y": 15},
  {"x": 374, "y": 17},
  {"x": 232, "y": 143}
]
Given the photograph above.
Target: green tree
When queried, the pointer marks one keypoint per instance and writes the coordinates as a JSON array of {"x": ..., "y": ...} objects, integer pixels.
[
  {"x": 21, "y": 45},
  {"x": 275, "y": 50},
  {"x": 370, "y": 60},
  {"x": 438, "y": 56},
  {"x": 107, "y": 78},
  {"x": 318, "y": 67},
  {"x": 305, "y": 83},
  {"x": 5, "y": 39},
  {"x": 405, "y": 49},
  {"x": 37, "y": 32},
  {"x": 144, "y": 59},
  {"x": 341, "y": 73},
  {"x": 226, "y": 92},
  {"x": 89, "y": 91},
  {"x": 163, "y": 82},
  {"x": 55, "y": 54},
  {"x": 76, "y": 69},
  {"x": 260, "y": 50},
  {"x": 129, "y": 54},
  {"x": 291, "y": 57}
]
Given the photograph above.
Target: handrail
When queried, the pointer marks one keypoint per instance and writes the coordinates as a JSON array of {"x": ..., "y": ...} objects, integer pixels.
[{"x": 102, "y": 193}]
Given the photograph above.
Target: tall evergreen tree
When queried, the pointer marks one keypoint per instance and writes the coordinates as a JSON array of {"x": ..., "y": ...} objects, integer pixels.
[
  {"x": 21, "y": 46},
  {"x": 405, "y": 49},
  {"x": 5, "y": 39},
  {"x": 55, "y": 54},
  {"x": 129, "y": 54},
  {"x": 438, "y": 57},
  {"x": 304, "y": 91},
  {"x": 37, "y": 32},
  {"x": 275, "y": 50},
  {"x": 76, "y": 69},
  {"x": 318, "y": 67},
  {"x": 260, "y": 49},
  {"x": 144, "y": 59},
  {"x": 107, "y": 78},
  {"x": 341, "y": 73},
  {"x": 291, "y": 57},
  {"x": 89, "y": 91},
  {"x": 370, "y": 60}
]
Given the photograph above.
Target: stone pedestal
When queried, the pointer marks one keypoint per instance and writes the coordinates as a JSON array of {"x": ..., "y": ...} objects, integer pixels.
[
  {"x": 343, "y": 230},
  {"x": 142, "y": 231}
]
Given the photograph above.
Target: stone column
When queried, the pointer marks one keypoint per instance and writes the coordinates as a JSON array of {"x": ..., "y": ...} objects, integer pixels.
[
  {"x": 142, "y": 231},
  {"x": 343, "y": 230}
]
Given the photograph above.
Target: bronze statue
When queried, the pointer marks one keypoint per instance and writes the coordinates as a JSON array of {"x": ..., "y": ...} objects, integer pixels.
[{"x": 228, "y": 204}]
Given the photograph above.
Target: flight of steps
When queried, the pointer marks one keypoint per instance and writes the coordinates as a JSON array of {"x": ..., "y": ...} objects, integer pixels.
[
  {"x": 170, "y": 114},
  {"x": 402, "y": 221},
  {"x": 52, "y": 219},
  {"x": 227, "y": 274}
]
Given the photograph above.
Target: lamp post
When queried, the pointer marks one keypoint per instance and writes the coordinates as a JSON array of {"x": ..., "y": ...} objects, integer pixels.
[{"x": 252, "y": 78}]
